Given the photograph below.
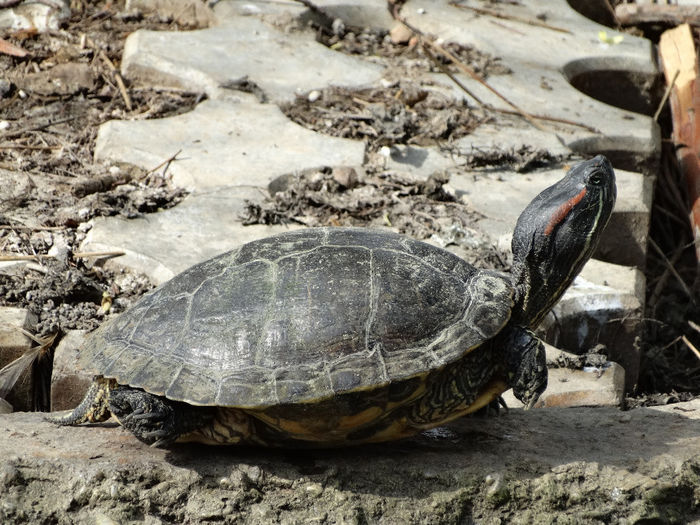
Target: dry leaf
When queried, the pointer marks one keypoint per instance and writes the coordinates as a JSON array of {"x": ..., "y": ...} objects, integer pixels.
[{"x": 11, "y": 49}]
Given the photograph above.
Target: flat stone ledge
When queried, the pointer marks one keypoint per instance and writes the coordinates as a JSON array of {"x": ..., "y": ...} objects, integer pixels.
[
  {"x": 224, "y": 143},
  {"x": 281, "y": 64},
  {"x": 161, "y": 245},
  {"x": 542, "y": 466}
]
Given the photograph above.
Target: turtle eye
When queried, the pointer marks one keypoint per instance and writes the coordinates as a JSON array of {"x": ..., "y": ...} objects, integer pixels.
[{"x": 596, "y": 179}]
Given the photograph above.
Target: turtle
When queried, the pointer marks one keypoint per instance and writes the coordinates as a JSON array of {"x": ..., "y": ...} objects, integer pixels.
[{"x": 335, "y": 336}]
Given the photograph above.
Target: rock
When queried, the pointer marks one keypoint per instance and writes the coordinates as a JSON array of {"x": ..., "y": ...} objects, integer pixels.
[
  {"x": 185, "y": 12},
  {"x": 592, "y": 386},
  {"x": 63, "y": 79},
  {"x": 34, "y": 16},
  {"x": 161, "y": 245},
  {"x": 68, "y": 383},
  {"x": 13, "y": 344},
  {"x": 539, "y": 466},
  {"x": 5, "y": 407},
  {"x": 281, "y": 64},
  {"x": 400, "y": 34},
  {"x": 225, "y": 144},
  {"x": 613, "y": 122}
]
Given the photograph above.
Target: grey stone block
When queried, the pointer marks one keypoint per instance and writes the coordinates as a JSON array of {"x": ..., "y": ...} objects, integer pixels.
[
  {"x": 208, "y": 60},
  {"x": 161, "y": 245},
  {"x": 68, "y": 382},
  {"x": 225, "y": 143}
]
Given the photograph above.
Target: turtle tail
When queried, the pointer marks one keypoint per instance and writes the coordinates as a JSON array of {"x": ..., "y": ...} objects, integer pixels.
[{"x": 94, "y": 408}]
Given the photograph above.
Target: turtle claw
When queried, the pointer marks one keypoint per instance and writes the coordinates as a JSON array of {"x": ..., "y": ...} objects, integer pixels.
[{"x": 153, "y": 419}]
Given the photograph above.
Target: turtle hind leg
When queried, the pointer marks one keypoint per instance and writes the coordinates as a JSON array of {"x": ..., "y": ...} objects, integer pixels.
[
  {"x": 153, "y": 419},
  {"x": 94, "y": 408}
]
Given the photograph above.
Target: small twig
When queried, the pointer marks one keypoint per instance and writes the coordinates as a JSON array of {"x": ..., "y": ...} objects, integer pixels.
[
  {"x": 514, "y": 18},
  {"x": 671, "y": 268},
  {"x": 106, "y": 182},
  {"x": 119, "y": 79},
  {"x": 115, "y": 72},
  {"x": 13, "y": 258},
  {"x": 31, "y": 228},
  {"x": 447, "y": 72},
  {"x": 469, "y": 71},
  {"x": 116, "y": 253},
  {"x": 19, "y": 146},
  {"x": 691, "y": 346},
  {"x": 667, "y": 93},
  {"x": 165, "y": 163},
  {"x": 611, "y": 10},
  {"x": 694, "y": 326},
  {"x": 543, "y": 117},
  {"x": 37, "y": 127}
]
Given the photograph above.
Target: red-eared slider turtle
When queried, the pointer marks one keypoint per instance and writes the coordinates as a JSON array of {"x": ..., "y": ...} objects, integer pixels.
[{"x": 335, "y": 336}]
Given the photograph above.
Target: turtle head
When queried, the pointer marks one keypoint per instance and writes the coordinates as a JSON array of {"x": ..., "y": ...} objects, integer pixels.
[{"x": 556, "y": 234}]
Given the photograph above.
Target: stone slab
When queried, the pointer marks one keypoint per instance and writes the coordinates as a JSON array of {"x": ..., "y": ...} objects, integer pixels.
[
  {"x": 161, "y": 245},
  {"x": 68, "y": 384},
  {"x": 13, "y": 344},
  {"x": 574, "y": 465},
  {"x": 545, "y": 62},
  {"x": 185, "y": 12},
  {"x": 224, "y": 143},
  {"x": 501, "y": 195},
  {"x": 358, "y": 13},
  {"x": 282, "y": 64}
]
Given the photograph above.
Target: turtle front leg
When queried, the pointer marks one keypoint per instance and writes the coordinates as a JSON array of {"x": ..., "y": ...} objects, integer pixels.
[
  {"x": 526, "y": 364},
  {"x": 153, "y": 419},
  {"x": 94, "y": 408}
]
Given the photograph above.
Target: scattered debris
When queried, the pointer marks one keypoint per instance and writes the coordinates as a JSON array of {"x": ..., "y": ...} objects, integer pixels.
[
  {"x": 522, "y": 160},
  {"x": 421, "y": 209},
  {"x": 405, "y": 113}
]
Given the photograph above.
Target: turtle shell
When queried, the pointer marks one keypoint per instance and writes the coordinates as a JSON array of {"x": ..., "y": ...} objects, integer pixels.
[{"x": 301, "y": 317}]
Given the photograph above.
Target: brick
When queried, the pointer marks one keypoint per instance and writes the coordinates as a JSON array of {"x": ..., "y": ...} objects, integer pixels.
[{"x": 592, "y": 386}]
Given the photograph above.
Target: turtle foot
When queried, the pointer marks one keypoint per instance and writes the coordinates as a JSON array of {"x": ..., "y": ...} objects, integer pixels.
[{"x": 155, "y": 420}]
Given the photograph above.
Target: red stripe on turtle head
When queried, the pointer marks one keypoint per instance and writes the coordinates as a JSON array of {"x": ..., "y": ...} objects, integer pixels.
[{"x": 563, "y": 210}]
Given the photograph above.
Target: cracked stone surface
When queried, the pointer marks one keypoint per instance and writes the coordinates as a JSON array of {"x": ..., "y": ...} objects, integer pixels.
[
  {"x": 283, "y": 64},
  {"x": 545, "y": 61},
  {"x": 161, "y": 245},
  {"x": 225, "y": 143}
]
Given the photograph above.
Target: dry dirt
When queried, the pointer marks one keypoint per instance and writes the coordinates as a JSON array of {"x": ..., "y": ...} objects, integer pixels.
[{"x": 578, "y": 466}]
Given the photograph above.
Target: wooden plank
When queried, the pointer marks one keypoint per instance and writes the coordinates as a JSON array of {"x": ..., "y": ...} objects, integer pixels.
[
  {"x": 633, "y": 14},
  {"x": 677, "y": 52}
]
